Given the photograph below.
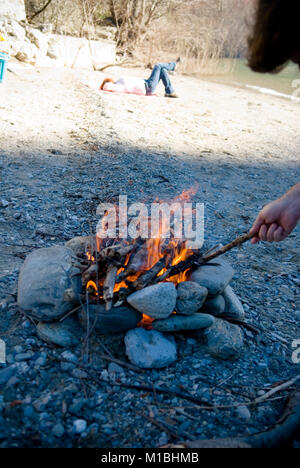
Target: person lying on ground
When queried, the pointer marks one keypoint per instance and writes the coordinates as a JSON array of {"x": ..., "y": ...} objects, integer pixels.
[
  {"x": 139, "y": 86},
  {"x": 274, "y": 42}
]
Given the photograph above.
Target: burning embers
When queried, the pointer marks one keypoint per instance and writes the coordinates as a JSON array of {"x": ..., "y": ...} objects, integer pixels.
[{"x": 113, "y": 273}]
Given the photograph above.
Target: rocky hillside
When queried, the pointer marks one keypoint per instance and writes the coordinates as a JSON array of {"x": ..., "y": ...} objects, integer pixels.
[{"x": 36, "y": 45}]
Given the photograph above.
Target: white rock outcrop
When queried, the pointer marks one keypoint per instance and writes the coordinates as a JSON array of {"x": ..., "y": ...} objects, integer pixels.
[{"x": 14, "y": 9}]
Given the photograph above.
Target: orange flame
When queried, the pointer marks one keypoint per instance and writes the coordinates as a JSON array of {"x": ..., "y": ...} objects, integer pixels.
[{"x": 174, "y": 251}]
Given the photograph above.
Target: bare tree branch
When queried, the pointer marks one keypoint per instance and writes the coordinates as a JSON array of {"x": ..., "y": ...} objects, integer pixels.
[{"x": 40, "y": 11}]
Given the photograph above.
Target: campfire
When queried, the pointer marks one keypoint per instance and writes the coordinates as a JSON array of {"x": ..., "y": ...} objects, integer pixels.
[{"x": 117, "y": 286}]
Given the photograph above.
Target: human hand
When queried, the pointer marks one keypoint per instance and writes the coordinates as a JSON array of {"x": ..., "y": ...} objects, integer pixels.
[{"x": 276, "y": 220}]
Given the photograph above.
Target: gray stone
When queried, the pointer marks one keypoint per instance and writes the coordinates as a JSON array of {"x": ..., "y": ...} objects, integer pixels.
[
  {"x": 243, "y": 413},
  {"x": 69, "y": 356},
  {"x": 65, "y": 334},
  {"x": 117, "y": 320},
  {"x": 77, "y": 406},
  {"x": 40, "y": 403},
  {"x": 150, "y": 349},
  {"x": 214, "y": 278},
  {"x": 45, "y": 275},
  {"x": 79, "y": 426},
  {"x": 41, "y": 360},
  {"x": 58, "y": 430},
  {"x": 114, "y": 368},
  {"x": 4, "y": 203},
  {"x": 66, "y": 367},
  {"x": 233, "y": 307},
  {"x": 156, "y": 301},
  {"x": 6, "y": 374},
  {"x": 190, "y": 297},
  {"x": 79, "y": 374},
  {"x": 24, "y": 356},
  {"x": 22, "y": 367},
  {"x": 222, "y": 340},
  {"x": 180, "y": 322},
  {"x": 214, "y": 306}
]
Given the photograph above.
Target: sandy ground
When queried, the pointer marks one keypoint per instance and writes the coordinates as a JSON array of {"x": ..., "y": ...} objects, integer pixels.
[
  {"x": 64, "y": 147},
  {"x": 242, "y": 148}
]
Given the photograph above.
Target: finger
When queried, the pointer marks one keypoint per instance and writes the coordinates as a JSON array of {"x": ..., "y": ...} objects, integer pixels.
[
  {"x": 263, "y": 233},
  {"x": 257, "y": 224},
  {"x": 270, "y": 233},
  {"x": 254, "y": 240},
  {"x": 279, "y": 235}
]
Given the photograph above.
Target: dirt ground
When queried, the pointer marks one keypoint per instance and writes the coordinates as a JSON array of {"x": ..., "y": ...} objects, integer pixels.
[{"x": 64, "y": 147}]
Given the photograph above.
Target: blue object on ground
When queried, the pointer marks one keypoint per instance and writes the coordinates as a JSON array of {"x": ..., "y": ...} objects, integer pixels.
[{"x": 4, "y": 57}]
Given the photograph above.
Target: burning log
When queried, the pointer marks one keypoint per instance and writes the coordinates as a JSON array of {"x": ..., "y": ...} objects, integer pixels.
[
  {"x": 108, "y": 287},
  {"x": 136, "y": 254},
  {"x": 90, "y": 273},
  {"x": 117, "y": 251},
  {"x": 146, "y": 278},
  {"x": 137, "y": 263}
]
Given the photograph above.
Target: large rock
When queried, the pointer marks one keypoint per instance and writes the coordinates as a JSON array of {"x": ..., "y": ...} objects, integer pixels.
[
  {"x": 78, "y": 52},
  {"x": 150, "y": 349},
  {"x": 6, "y": 374},
  {"x": 214, "y": 277},
  {"x": 180, "y": 322},
  {"x": 117, "y": 320},
  {"x": 223, "y": 340},
  {"x": 214, "y": 306},
  {"x": 14, "y": 9},
  {"x": 25, "y": 52},
  {"x": 190, "y": 297},
  {"x": 44, "y": 277},
  {"x": 12, "y": 30},
  {"x": 39, "y": 39},
  {"x": 233, "y": 307},
  {"x": 66, "y": 334},
  {"x": 156, "y": 301}
]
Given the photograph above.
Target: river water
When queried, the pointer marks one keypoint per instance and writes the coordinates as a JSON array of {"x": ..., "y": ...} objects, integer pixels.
[{"x": 236, "y": 72}]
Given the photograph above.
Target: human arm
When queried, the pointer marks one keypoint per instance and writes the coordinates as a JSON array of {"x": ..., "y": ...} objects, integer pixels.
[{"x": 277, "y": 220}]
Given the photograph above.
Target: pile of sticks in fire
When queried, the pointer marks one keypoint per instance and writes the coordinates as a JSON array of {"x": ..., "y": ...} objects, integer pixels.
[{"x": 112, "y": 273}]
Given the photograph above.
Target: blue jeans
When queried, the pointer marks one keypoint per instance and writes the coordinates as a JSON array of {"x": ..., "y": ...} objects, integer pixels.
[{"x": 160, "y": 72}]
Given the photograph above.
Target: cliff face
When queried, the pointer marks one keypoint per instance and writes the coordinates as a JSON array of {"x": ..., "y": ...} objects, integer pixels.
[{"x": 13, "y": 9}]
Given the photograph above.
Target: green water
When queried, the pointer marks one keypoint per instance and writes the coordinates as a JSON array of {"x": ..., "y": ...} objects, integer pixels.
[{"x": 237, "y": 72}]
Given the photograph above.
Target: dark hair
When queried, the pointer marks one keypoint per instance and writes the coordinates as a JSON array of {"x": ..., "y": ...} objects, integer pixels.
[{"x": 276, "y": 37}]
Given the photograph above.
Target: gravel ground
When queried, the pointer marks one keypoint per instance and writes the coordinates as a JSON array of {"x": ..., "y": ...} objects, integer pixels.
[{"x": 65, "y": 148}]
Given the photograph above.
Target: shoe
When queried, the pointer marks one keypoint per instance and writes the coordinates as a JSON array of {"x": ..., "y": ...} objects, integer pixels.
[
  {"x": 178, "y": 60},
  {"x": 172, "y": 95}
]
